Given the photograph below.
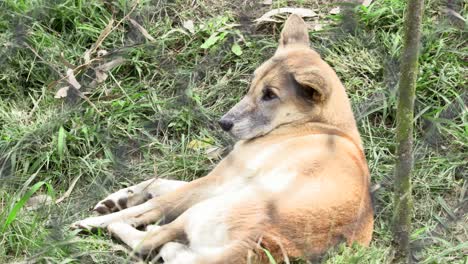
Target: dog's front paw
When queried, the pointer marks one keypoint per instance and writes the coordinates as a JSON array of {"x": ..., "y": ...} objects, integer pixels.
[{"x": 120, "y": 200}]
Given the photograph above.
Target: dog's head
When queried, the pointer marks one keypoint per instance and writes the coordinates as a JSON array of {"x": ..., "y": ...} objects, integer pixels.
[{"x": 294, "y": 86}]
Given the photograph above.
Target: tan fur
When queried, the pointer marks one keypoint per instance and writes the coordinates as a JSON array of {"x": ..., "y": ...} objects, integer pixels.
[{"x": 296, "y": 183}]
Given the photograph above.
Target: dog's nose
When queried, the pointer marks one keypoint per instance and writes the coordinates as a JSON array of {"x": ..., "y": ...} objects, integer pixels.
[{"x": 226, "y": 125}]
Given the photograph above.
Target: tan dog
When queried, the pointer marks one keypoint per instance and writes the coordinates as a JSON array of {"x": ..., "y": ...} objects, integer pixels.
[{"x": 295, "y": 184}]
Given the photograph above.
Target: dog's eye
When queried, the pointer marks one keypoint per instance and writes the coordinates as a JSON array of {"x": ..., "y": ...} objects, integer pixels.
[{"x": 268, "y": 94}]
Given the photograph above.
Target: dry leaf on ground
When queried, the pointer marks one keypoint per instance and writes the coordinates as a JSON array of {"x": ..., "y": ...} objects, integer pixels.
[
  {"x": 87, "y": 56},
  {"x": 302, "y": 12},
  {"x": 335, "y": 10},
  {"x": 455, "y": 14},
  {"x": 72, "y": 79},
  {"x": 366, "y": 2},
  {"x": 102, "y": 70},
  {"x": 189, "y": 26},
  {"x": 102, "y": 52},
  {"x": 142, "y": 30},
  {"x": 199, "y": 144},
  {"x": 38, "y": 201},
  {"x": 62, "y": 92},
  {"x": 103, "y": 35},
  {"x": 315, "y": 26},
  {"x": 214, "y": 153}
]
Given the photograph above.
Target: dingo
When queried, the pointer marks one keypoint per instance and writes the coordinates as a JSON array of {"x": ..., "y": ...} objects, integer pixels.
[{"x": 295, "y": 184}]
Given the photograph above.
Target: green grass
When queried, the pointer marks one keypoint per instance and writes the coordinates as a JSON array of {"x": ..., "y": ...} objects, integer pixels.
[{"x": 157, "y": 112}]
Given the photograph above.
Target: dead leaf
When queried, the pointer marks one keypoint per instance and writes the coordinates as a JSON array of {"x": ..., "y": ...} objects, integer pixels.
[
  {"x": 101, "y": 76},
  {"x": 335, "y": 10},
  {"x": 375, "y": 187},
  {"x": 189, "y": 26},
  {"x": 302, "y": 12},
  {"x": 142, "y": 30},
  {"x": 214, "y": 153},
  {"x": 111, "y": 64},
  {"x": 101, "y": 71},
  {"x": 102, "y": 52},
  {"x": 87, "y": 56},
  {"x": 104, "y": 33},
  {"x": 38, "y": 201},
  {"x": 267, "y": 2},
  {"x": 120, "y": 248},
  {"x": 72, "y": 79},
  {"x": 455, "y": 15},
  {"x": 198, "y": 144},
  {"x": 62, "y": 92},
  {"x": 315, "y": 26},
  {"x": 366, "y": 2}
]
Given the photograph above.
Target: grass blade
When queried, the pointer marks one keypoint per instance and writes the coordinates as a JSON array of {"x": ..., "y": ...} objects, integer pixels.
[
  {"x": 270, "y": 257},
  {"x": 61, "y": 142},
  {"x": 17, "y": 207},
  {"x": 461, "y": 247}
]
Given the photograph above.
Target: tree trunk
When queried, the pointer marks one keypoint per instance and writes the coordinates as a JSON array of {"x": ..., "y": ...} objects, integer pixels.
[{"x": 403, "y": 205}]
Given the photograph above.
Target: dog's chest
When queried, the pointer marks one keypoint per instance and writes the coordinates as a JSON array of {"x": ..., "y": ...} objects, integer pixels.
[{"x": 264, "y": 166}]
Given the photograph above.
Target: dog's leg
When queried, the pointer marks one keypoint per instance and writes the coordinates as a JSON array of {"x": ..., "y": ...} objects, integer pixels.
[
  {"x": 236, "y": 253},
  {"x": 170, "y": 252},
  {"x": 127, "y": 234},
  {"x": 176, "y": 253},
  {"x": 145, "y": 242},
  {"x": 163, "y": 237},
  {"x": 165, "y": 207},
  {"x": 136, "y": 195},
  {"x": 222, "y": 229}
]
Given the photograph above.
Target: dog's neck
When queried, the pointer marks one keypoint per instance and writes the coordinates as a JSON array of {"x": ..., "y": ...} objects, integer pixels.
[
  {"x": 341, "y": 117},
  {"x": 306, "y": 128}
]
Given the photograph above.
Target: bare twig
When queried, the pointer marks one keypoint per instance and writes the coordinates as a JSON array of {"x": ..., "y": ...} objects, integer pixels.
[
  {"x": 69, "y": 191},
  {"x": 90, "y": 103}
]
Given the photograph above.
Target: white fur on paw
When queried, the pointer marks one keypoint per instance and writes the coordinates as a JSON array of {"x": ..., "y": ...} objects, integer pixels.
[
  {"x": 171, "y": 250},
  {"x": 152, "y": 228},
  {"x": 128, "y": 234}
]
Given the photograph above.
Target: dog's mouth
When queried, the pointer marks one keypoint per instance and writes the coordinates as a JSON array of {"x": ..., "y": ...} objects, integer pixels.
[
  {"x": 226, "y": 124},
  {"x": 247, "y": 131},
  {"x": 235, "y": 130}
]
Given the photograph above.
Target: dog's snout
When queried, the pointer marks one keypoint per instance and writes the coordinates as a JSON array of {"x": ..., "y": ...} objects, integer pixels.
[{"x": 225, "y": 124}]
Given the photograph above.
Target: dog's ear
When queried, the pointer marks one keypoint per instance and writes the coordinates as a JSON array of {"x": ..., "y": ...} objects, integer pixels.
[
  {"x": 313, "y": 85},
  {"x": 294, "y": 32}
]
